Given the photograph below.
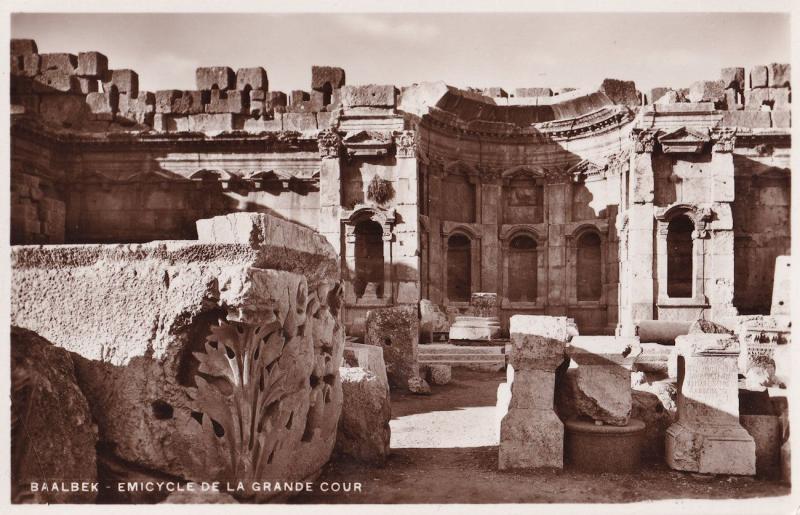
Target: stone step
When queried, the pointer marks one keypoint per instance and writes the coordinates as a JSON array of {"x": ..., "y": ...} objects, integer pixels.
[
  {"x": 445, "y": 348},
  {"x": 463, "y": 357},
  {"x": 485, "y": 366}
]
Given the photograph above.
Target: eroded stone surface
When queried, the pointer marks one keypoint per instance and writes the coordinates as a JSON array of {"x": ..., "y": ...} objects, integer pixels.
[
  {"x": 53, "y": 436},
  {"x": 419, "y": 386},
  {"x": 364, "y": 432},
  {"x": 438, "y": 374},
  {"x": 396, "y": 330}
]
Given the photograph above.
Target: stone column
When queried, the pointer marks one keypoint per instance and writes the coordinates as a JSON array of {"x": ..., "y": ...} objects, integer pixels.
[
  {"x": 639, "y": 278},
  {"x": 531, "y": 434},
  {"x": 330, "y": 190},
  {"x": 708, "y": 437}
]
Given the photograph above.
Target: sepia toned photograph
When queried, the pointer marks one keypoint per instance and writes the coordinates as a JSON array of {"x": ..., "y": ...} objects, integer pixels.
[{"x": 506, "y": 259}]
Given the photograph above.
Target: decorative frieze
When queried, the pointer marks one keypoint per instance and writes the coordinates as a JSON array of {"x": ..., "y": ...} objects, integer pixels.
[
  {"x": 405, "y": 143},
  {"x": 330, "y": 144}
]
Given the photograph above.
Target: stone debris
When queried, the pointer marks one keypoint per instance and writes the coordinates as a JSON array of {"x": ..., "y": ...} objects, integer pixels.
[
  {"x": 364, "y": 431},
  {"x": 418, "y": 386},
  {"x": 396, "y": 330},
  {"x": 438, "y": 374}
]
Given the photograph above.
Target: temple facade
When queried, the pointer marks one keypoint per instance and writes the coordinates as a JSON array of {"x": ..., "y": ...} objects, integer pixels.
[{"x": 607, "y": 205}]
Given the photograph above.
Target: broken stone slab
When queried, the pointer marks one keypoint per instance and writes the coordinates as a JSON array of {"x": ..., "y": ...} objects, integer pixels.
[
  {"x": 707, "y": 438},
  {"x": 396, "y": 330},
  {"x": 326, "y": 76},
  {"x": 92, "y": 65},
  {"x": 707, "y": 91},
  {"x": 759, "y": 77},
  {"x": 150, "y": 323},
  {"x": 538, "y": 342},
  {"x": 53, "y": 436},
  {"x": 364, "y": 432},
  {"x": 215, "y": 77},
  {"x": 254, "y": 78},
  {"x": 603, "y": 386},
  {"x": 371, "y": 95},
  {"x": 702, "y": 326},
  {"x": 779, "y": 75},
  {"x": 367, "y": 357},
  {"x": 733, "y": 78}
]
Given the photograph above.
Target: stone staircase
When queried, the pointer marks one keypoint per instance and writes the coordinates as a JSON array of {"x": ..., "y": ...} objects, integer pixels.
[{"x": 484, "y": 358}]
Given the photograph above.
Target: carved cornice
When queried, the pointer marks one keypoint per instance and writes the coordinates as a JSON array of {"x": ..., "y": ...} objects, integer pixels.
[{"x": 724, "y": 139}]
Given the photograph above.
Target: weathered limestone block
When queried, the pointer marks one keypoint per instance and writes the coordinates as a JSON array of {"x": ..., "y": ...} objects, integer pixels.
[
  {"x": 779, "y": 75},
  {"x": 707, "y": 91},
  {"x": 215, "y": 77},
  {"x": 771, "y": 99},
  {"x": 93, "y": 65},
  {"x": 531, "y": 434},
  {"x": 670, "y": 96},
  {"x": 371, "y": 95},
  {"x": 324, "y": 75},
  {"x": 52, "y": 81},
  {"x": 533, "y": 92},
  {"x": 733, "y": 78},
  {"x": 66, "y": 63},
  {"x": 53, "y": 437},
  {"x": 181, "y": 102},
  {"x": 62, "y": 110},
  {"x": 125, "y": 82},
  {"x": 255, "y": 78},
  {"x": 708, "y": 437},
  {"x": 438, "y": 374},
  {"x": 364, "y": 431},
  {"x": 23, "y": 47},
  {"x": 227, "y": 102},
  {"x": 25, "y": 65},
  {"x": 87, "y": 85},
  {"x": 277, "y": 99},
  {"x": 210, "y": 124},
  {"x": 495, "y": 92},
  {"x": 396, "y": 330},
  {"x": 366, "y": 357},
  {"x": 603, "y": 386},
  {"x": 759, "y": 77},
  {"x": 621, "y": 91},
  {"x": 137, "y": 110},
  {"x": 103, "y": 102},
  {"x": 162, "y": 331}
]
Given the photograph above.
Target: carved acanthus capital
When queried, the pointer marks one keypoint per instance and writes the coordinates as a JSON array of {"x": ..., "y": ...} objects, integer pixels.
[
  {"x": 490, "y": 174},
  {"x": 724, "y": 139},
  {"x": 703, "y": 217},
  {"x": 556, "y": 175},
  {"x": 645, "y": 140},
  {"x": 406, "y": 143},
  {"x": 330, "y": 144}
]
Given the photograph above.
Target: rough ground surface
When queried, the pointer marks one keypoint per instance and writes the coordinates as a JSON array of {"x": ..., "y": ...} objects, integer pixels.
[{"x": 458, "y": 465}]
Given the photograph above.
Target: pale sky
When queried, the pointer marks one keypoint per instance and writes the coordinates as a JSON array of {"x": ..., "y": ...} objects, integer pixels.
[{"x": 499, "y": 49}]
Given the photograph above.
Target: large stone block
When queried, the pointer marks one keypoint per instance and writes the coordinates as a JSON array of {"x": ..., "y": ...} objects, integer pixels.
[
  {"x": 770, "y": 99},
  {"x": 255, "y": 78},
  {"x": 227, "y": 102},
  {"x": 92, "y": 65},
  {"x": 759, "y": 77},
  {"x": 621, "y": 92},
  {"x": 364, "y": 432},
  {"x": 779, "y": 75},
  {"x": 732, "y": 78},
  {"x": 23, "y": 47},
  {"x": 369, "y": 96},
  {"x": 707, "y": 91},
  {"x": 124, "y": 81},
  {"x": 396, "y": 330},
  {"x": 53, "y": 437},
  {"x": 25, "y": 65},
  {"x": 153, "y": 328},
  {"x": 531, "y": 438},
  {"x": 54, "y": 81},
  {"x": 215, "y": 77},
  {"x": 103, "y": 102},
  {"x": 533, "y": 92},
  {"x": 66, "y": 63},
  {"x": 137, "y": 110},
  {"x": 708, "y": 437},
  {"x": 326, "y": 76},
  {"x": 539, "y": 342}
]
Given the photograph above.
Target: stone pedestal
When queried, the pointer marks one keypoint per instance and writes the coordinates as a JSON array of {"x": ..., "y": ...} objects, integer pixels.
[
  {"x": 603, "y": 387},
  {"x": 482, "y": 324},
  {"x": 708, "y": 437},
  {"x": 531, "y": 435}
]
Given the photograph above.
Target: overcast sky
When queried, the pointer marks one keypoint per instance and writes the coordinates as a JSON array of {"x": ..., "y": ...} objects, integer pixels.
[{"x": 504, "y": 49}]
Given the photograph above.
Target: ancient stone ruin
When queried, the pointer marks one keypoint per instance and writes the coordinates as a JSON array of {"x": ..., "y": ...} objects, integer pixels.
[{"x": 230, "y": 282}]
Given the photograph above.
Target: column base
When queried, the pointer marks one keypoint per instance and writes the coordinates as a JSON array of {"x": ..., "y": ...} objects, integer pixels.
[{"x": 531, "y": 438}]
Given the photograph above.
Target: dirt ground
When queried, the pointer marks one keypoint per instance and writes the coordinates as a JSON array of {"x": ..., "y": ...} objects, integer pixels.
[{"x": 444, "y": 450}]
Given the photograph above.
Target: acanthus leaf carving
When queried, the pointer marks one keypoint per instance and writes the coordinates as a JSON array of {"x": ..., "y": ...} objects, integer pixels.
[
  {"x": 330, "y": 143},
  {"x": 406, "y": 143},
  {"x": 645, "y": 140}
]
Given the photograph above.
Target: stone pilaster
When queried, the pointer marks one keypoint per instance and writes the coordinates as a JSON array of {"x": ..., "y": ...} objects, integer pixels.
[
  {"x": 330, "y": 191},
  {"x": 531, "y": 435},
  {"x": 708, "y": 437}
]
